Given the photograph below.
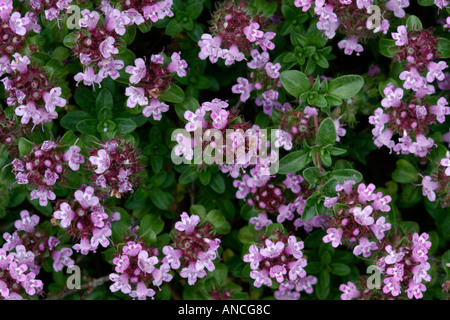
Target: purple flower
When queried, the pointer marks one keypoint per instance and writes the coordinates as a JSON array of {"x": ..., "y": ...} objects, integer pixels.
[
  {"x": 135, "y": 96},
  {"x": 53, "y": 99},
  {"x": 231, "y": 55},
  {"x": 65, "y": 214},
  {"x": 415, "y": 290},
  {"x": 351, "y": 44},
  {"x": 334, "y": 236},
  {"x": 363, "y": 216},
  {"x": 26, "y": 223},
  {"x": 43, "y": 195},
  {"x": 84, "y": 246},
  {"x": 62, "y": 258},
  {"x": 252, "y": 33},
  {"x": 220, "y": 119},
  {"x": 86, "y": 198},
  {"x": 278, "y": 272},
  {"x": 254, "y": 257},
  {"x": 172, "y": 257},
  {"x": 393, "y": 96},
  {"x": 391, "y": 285},
  {"x": 210, "y": 47},
  {"x": 187, "y": 223},
  {"x": 18, "y": 24},
  {"x": 349, "y": 291},
  {"x": 74, "y": 157},
  {"x": 260, "y": 221},
  {"x": 155, "y": 109},
  {"x": 102, "y": 161},
  {"x": 393, "y": 256},
  {"x": 364, "y": 247},
  {"x": 380, "y": 227},
  {"x": 146, "y": 263},
  {"x": 243, "y": 87},
  {"x": 261, "y": 277},
  {"x": 191, "y": 273},
  {"x": 138, "y": 72},
  {"x": 272, "y": 250},
  {"x": 142, "y": 292},
  {"x": 121, "y": 282},
  {"x": 397, "y": 7},
  {"x": 428, "y": 188},
  {"x": 435, "y": 71},
  {"x": 121, "y": 263},
  {"x": 132, "y": 248},
  {"x": 440, "y": 110},
  {"x": 259, "y": 59},
  {"x": 177, "y": 65}
]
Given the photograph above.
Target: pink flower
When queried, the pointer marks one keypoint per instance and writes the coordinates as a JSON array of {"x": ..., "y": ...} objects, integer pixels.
[
  {"x": 259, "y": 59},
  {"x": 278, "y": 272},
  {"x": 261, "y": 277},
  {"x": 43, "y": 195},
  {"x": 102, "y": 161},
  {"x": 393, "y": 96},
  {"x": 177, "y": 65},
  {"x": 401, "y": 36},
  {"x": 6, "y": 7},
  {"x": 445, "y": 162},
  {"x": 86, "y": 198},
  {"x": 74, "y": 157},
  {"x": 334, "y": 236},
  {"x": 252, "y": 33},
  {"x": 135, "y": 96},
  {"x": 233, "y": 54},
  {"x": 349, "y": 291},
  {"x": 187, "y": 223},
  {"x": 121, "y": 263},
  {"x": 243, "y": 87},
  {"x": 26, "y": 223},
  {"x": 363, "y": 216},
  {"x": 146, "y": 263},
  {"x": 142, "y": 292},
  {"x": 191, "y": 273},
  {"x": 304, "y": 4},
  {"x": 172, "y": 257},
  {"x": 435, "y": 71},
  {"x": 397, "y": 7},
  {"x": 428, "y": 188},
  {"x": 62, "y": 258},
  {"x": 88, "y": 77},
  {"x": 65, "y": 214},
  {"x": 121, "y": 282},
  {"x": 440, "y": 110},
  {"x": 380, "y": 227},
  {"x": 272, "y": 250},
  {"x": 18, "y": 24},
  {"x": 220, "y": 119},
  {"x": 138, "y": 72},
  {"x": 364, "y": 247},
  {"x": 254, "y": 257},
  {"x": 155, "y": 109},
  {"x": 351, "y": 44},
  {"x": 391, "y": 285},
  {"x": 415, "y": 290},
  {"x": 393, "y": 256},
  {"x": 273, "y": 70},
  {"x": 260, "y": 221},
  {"x": 210, "y": 47}
]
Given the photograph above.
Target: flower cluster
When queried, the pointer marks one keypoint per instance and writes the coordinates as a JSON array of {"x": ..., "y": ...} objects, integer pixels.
[
  {"x": 264, "y": 80},
  {"x": 147, "y": 83},
  {"x": 410, "y": 121},
  {"x": 140, "y": 11},
  {"x": 194, "y": 248},
  {"x": 30, "y": 91},
  {"x": 137, "y": 273},
  {"x": 51, "y": 8},
  {"x": 85, "y": 219},
  {"x": 436, "y": 185},
  {"x": 22, "y": 255},
  {"x": 234, "y": 33},
  {"x": 353, "y": 18},
  {"x": 404, "y": 266},
  {"x": 116, "y": 166},
  {"x": 358, "y": 218},
  {"x": 43, "y": 166},
  {"x": 97, "y": 43},
  {"x": 279, "y": 258}
]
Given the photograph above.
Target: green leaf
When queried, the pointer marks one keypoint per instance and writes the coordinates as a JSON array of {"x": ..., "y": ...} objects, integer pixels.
[
  {"x": 217, "y": 183},
  {"x": 295, "y": 82},
  {"x": 413, "y": 23},
  {"x": 345, "y": 87},
  {"x": 425, "y": 3},
  {"x": 104, "y": 99},
  {"x": 25, "y": 146},
  {"x": 70, "y": 120},
  {"x": 87, "y": 126},
  {"x": 189, "y": 175},
  {"x": 326, "y": 134},
  {"x": 340, "y": 269},
  {"x": 68, "y": 138},
  {"x": 388, "y": 48},
  {"x": 152, "y": 222},
  {"x": 174, "y": 27},
  {"x": 311, "y": 175},
  {"x": 405, "y": 172},
  {"x": 174, "y": 94},
  {"x": 346, "y": 174},
  {"x": 220, "y": 224},
  {"x": 161, "y": 198},
  {"x": 292, "y": 162},
  {"x": 444, "y": 48},
  {"x": 146, "y": 231},
  {"x": 310, "y": 210},
  {"x": 125, "y": 125}
]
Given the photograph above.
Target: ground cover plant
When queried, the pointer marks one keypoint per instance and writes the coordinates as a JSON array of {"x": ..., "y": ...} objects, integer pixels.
[{"x": 236, "y": 149}]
